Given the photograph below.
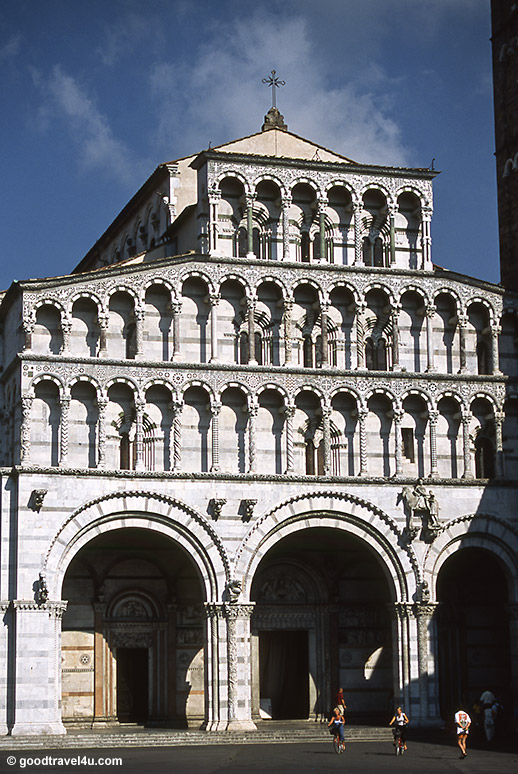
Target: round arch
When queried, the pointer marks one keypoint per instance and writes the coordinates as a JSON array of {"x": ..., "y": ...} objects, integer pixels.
[
  {"x": 336, "y": 510},
  {"x": 159, "y": 513},
  {"x": 474, "y": 531}
]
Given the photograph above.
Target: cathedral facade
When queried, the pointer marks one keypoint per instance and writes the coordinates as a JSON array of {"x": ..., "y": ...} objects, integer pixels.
[{"x": 258, "y": 446}]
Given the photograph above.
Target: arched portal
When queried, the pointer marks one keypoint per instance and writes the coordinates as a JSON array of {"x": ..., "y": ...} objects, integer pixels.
[
  {"x": 321, "y": 620},
  {"x": 473, "y": 630},
  {"x": 133, "y": 633}
]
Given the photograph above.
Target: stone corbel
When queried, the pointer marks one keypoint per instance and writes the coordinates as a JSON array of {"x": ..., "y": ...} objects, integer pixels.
[
  {"x": 36, "y": 499},
  {"x": 42, "y": 591},
  {"x": 216, "y": 506},
  {"x": 247, "y": 509},
  {"x": 232, "y": 590}
]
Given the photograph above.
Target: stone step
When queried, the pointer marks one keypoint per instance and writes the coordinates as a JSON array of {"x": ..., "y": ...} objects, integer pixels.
[{"x": 149, "y": 738}]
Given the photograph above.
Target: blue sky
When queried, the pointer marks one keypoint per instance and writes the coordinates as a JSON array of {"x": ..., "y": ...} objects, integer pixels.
[{"x": 96, "y": 94}]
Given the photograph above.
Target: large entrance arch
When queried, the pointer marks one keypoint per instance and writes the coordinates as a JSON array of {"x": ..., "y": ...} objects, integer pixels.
[
  {"x": 169, "y": 521},
  {"x": 133, "y": 633},
  {"x": 473, "y": 629},
  {"x": 321, "y": 621}
]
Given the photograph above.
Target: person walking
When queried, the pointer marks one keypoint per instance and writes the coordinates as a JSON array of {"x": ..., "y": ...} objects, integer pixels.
[
  {"x": 462, "y": 722},
  {"x": 489, "y": 723},
  {"x": 340, "y": 701}
]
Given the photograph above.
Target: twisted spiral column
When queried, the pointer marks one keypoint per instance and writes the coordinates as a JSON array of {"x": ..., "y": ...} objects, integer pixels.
[
  {"x": 102, "y": 405},
  {"x": 286, "y": 203},
  {"x": 289, "y": 412},
  {"x": 25, "y": 430},
  {"x": 466, "y": 445},
  {"x": 433, "y": 416},
  {"x": 64, "y": 405},
  {"x": 363, "y": 413},
  {"x": 215, "y": 411},
  {"x": 140, "y": 405},
  {"x": 177, "y": 407}
]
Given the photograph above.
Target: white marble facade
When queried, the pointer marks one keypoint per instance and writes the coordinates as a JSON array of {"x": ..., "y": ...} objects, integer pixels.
[{"x": 256, "y": 421}]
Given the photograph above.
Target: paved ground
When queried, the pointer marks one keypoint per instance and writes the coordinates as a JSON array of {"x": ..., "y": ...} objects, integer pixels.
[{"x": 360, "y": 758}]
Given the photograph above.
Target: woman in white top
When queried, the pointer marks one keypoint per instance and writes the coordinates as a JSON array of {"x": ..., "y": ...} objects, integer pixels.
[
  {"x": 400, "y": 720},
  {"x": 463, "y": 722}
]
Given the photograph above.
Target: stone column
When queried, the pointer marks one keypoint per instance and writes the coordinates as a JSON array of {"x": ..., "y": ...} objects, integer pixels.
[
  {"x": 322, "y": 204},
  {"x": 360, "y": 336},
  {"x": 250, "y": 198},
  {"x": 253, "y": 408},
  {"x": 103, "y": 321},
  {"x": 324, "y": 308},
  {"x": 358, "y": 252},
  {"x": 172, "y": 609},
  {"x": 428, "y": 684},
  {"x": 426, "y": 239},
  {"x": 433, "y": 416},
  {"x": 466, "y": 445},
  {"x": 288, "y": 309},
  {"x": 102, "y": 405},
  {"x": 500, "y": 461},
  {"x": 99, "y": 647},
  {"x": 66, "y": 327},
  {"x": 28, "y": 328},
  {"x": 392, "y": 219},
  {"x": 140, "y": 406},
  {"x": 214, "y": 301},
  {"x": 216, "y": 706},
  {"x": 512, "y": 610},
  {"x": 214, "y": 197},
  {"x": 177, "y": 407},
  {"x": 25, "y": 430},
  {"x": 462, "y": 322},
  {"x": 394, "y": 316},
  {"x": 238, "y": 659},
  {"x": 286, "y": 204},
  {"x": 326, "y": 425},
  {"x": 398, "y": 418},
  {"x": 429, "y": 311},
  {"x": 64, "y": 405},
  {"x": 250, "y": 310},
  {"x": 139, "y": 334},
  {"x": 402, "y": 649},
  {"x": 176, "y": 308},
  {"x": 215, "y": 410},
  {"x": 496, "y": 330},
  {"x": 363, "y": 413},
  {"x": 289, "y": 412},
  {"x": 37, "y": 655}
]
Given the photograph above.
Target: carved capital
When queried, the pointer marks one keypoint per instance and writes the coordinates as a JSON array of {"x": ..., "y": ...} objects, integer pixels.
[
  {"x": 425, "y": 609},
  {"x": 235, "y": 611}
]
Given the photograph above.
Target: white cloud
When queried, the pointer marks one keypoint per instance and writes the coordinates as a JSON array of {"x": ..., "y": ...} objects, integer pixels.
[
  {"x": 128, "y": 35},
  {"x": 98, "y": 148},
  {"x": 10, "y": 48},
  {"x": 219, "y": 94}
]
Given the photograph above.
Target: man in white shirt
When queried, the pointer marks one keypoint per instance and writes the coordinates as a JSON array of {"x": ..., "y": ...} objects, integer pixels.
[{"x": 487, "y": 698}]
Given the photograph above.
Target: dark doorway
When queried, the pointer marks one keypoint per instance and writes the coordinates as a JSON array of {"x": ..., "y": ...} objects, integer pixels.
[
  {"x": 284, "y": 672},
  {"x": 473, "y": 629},
  {"x": 132, "y": 685}
]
